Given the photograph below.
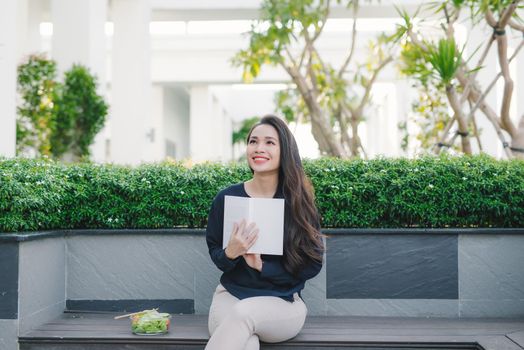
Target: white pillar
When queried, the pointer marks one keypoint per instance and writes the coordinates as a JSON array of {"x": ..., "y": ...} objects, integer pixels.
[
  {"x": 79, "y": 37},
  {"x": 157, "y": 148},
  {"x": 35, "y": 14},
  {"x": 131, "y": 82},
  {"x": 30, "y": 14},
  {"x": 79, "y": 34},
  {"x": 8, "y": 50},
  {"x": 202, "y": 129},
  {"x": 209, "y": 127}
]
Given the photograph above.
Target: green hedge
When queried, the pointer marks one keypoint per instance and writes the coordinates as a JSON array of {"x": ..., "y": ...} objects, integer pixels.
[{"x": 426, "y": 192}]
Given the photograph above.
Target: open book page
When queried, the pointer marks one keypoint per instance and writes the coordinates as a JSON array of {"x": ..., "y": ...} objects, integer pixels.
[
  {"x": 267, "y": 213},
  {"x": 235, "y": 209}
]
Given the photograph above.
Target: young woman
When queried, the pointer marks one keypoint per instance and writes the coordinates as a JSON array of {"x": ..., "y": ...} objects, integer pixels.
[{"x": 258, "y": 297}]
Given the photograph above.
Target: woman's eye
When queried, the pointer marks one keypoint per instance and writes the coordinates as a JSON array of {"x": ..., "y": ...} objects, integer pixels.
[
  {"x": 271, "y": 142},
  {"x": 252, "y": 141}
]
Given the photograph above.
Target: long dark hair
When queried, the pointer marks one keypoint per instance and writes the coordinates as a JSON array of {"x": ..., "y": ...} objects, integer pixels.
[{"x": 302, "y": 237}]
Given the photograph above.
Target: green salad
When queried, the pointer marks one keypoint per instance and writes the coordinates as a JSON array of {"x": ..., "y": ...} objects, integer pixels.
[{"x": 150, "y": 322}]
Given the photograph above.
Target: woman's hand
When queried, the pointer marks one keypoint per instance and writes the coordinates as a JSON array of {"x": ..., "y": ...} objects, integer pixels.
[
  {"x": 254, "y": 261},
  {"x": 242, "y": 238}
]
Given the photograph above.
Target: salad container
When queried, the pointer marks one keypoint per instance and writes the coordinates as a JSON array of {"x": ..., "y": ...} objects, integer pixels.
[{"x": 150, "y": 322}]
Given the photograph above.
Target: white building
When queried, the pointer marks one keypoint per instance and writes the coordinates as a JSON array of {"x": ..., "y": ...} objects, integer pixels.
[{"x": 164, "y": 67}]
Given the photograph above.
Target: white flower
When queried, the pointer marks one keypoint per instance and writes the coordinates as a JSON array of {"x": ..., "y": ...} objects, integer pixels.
[
  {"x": 464, "y": 178},
  {"x": 430, "y": 186}
]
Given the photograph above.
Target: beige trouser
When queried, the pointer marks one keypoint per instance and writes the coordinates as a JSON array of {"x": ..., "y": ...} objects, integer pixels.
[{"x": 239, "y": 324}]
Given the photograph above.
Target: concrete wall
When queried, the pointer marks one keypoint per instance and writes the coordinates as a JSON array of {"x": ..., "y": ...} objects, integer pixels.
[
  {"x": 42, "y": 280},
  {"x": 402, "y": 274},
  {"x": 32, "y": 286},
  {"x": 8, "y": 334},
  {"x": 491, "y": 276},
  {"x": 148, "y": 267},
  {"x": 375, "y": 275}
]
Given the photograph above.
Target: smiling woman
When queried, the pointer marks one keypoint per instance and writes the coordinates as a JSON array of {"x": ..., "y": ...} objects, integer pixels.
[
  {"x": 263, "y": 150},
  {"x": 259, "y": 295}
]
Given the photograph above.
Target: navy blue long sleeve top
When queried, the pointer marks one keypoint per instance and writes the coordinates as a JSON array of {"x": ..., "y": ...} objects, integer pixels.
[{"x": 238, "y": 277}]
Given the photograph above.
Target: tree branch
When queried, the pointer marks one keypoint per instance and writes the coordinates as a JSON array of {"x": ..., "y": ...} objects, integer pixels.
[
  {"x": 490, "y": 18},
  {"x": 370, "y": 83},
  {"x": 459, "y": 116},
  {"x": 319, "y": 30},
  {"x": 290, "y": 56},
  {"x": 445, "y": 133},
  {"x": 516, "y": 25},
  {"x": 507, "y": 13},
  {"x": 353, "y": 44},
  {"x": 474, "y": 96},
  {"x": 475, "y": 129},
  {"x": 416, "y": 41},
  {"x": 480, "y": 100},
  {"x": 502, "y": 46}
]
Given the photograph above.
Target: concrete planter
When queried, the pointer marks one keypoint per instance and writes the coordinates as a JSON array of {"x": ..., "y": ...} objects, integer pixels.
[{"x": 416, "y": 272}]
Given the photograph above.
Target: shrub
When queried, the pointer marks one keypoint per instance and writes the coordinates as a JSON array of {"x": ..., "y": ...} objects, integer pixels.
[{"x": 427, "y": 192}]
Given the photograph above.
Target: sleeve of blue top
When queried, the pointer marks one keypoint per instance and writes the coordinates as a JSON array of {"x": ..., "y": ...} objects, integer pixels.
[
  {"x": 275, "y": 272},
  {"x": 214, "y": 236}
]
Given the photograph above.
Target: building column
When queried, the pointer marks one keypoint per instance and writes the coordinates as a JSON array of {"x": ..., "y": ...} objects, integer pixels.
[
  {"x": 8, "y": 61},
  {"x": 209, "y": 127},
  {"x": 79, "y": 35},
  {"x": 157, "y": 146},
  {"x": 79, "y": 38},
  {"x": 28, "y": 23},
  {"x": 132, "y": 132}
]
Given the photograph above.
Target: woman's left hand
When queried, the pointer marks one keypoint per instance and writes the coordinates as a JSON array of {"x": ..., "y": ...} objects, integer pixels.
[{"x": 254, "y": 261}]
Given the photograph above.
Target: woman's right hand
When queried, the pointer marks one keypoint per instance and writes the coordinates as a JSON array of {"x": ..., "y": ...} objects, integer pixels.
[{"x": 242, "y": 238}]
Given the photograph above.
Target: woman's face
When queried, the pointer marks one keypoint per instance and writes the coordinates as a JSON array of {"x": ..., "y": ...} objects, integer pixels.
[{"x": 263, "y": 149}]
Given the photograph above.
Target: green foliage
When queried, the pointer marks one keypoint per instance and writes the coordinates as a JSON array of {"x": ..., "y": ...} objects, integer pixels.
[
  {"x": 36, "y": 113},
  {"x": 286, "y": 35},
  {"x": 55, "y": 118},
  {"x": 428, "y": 192},
  {"x": 414, "y": 63},
  {"x": 479, "y": 7},
  {"x": 433, "y": 68},
  {"x": 281, "y": 21},
  {"x": 81, "y": 114},
  {"x": 240, "y": 135},
  {"x": 431, "y": 115},
  {"x": 445, "y": 59}
]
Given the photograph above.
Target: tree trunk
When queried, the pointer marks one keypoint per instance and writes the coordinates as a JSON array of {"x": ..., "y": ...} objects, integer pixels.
[
  {"x": 319, "y": 120},
  {"x": 459, "y": 116},
  {"x": 355, "y": 140},
  {"x": 518, "y": 141},
  {"x": 474, "y": 96}
]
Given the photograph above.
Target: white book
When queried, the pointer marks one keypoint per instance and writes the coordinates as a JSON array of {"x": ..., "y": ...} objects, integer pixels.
[{"x": 266, "y": 213}]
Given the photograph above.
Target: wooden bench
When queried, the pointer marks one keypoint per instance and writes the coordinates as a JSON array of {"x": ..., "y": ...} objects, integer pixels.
[{"x": 75, "y": 331}]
